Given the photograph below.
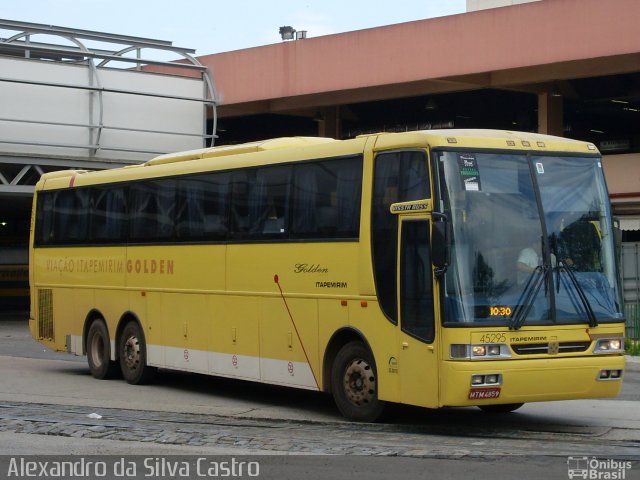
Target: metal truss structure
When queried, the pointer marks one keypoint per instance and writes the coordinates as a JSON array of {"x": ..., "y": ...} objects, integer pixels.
[{"x": 23, "y": 158}]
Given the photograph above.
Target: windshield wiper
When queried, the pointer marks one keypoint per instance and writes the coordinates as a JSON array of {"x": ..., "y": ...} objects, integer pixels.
[
  {"x": 566, "y": 266},
  {"x": 525, "y": 302}
]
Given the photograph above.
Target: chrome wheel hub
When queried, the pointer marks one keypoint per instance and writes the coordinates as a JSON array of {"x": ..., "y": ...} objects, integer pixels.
[
  {"x": 359, "y": 382},
  {"x": 131, "y": 352}
]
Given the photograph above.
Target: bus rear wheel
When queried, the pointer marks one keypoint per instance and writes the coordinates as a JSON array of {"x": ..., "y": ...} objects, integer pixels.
[
  {"x": 98, "y": 348},
  {"x": 354, "y": 383},
  {"x": 503, "y": 408},
  {"x": 132, "y": 352}
]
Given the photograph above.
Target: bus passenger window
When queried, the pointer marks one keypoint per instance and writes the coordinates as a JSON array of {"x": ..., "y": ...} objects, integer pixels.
[
  {"x": 70, "y": 216},
  {"x": 108, "y": 214},
  {"x": 44, "y": 221},
  {"x": 259, "y": 203},
  {"x": 240, "y": 202},
  {"x": 269, "y": 202},
  {"x": 202, "y": 207},
  {"x": 326, "y": 199},
  {"x": 152, "y": 210}
]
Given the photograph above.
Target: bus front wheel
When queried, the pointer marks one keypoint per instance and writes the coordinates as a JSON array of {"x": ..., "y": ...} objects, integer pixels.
[
  {"x": 133, "y": 355},
  {"x": 98, "y": 349},
  {"x": 354, "y": 383}
]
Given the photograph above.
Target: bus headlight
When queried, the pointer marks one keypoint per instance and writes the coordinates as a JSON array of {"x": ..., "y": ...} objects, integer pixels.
[
  {"x": 479, "y": 351},
  {"x": 609, "y": 345},
  {"x": 493, "y": 350},
  {"x": 497, "y": 350}
]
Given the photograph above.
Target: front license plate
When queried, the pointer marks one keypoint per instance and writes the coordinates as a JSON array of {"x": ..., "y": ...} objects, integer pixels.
[{"x": 482, "y": 393}]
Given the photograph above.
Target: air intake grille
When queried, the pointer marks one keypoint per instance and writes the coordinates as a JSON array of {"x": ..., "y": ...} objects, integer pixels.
[
  {"x": 45, "y": 314},
  {"x": 537, "y": 348}
]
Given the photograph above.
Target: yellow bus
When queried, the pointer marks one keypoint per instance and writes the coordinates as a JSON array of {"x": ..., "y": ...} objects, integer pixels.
[{"x": 432, "y": 268}]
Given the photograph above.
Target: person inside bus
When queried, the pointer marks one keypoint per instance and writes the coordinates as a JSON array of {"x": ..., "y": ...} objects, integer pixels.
[{"x": 528, "y": 260}]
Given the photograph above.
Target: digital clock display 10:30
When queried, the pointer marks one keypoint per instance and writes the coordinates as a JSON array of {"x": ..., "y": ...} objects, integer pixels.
[{"x": 500, "y": 311}]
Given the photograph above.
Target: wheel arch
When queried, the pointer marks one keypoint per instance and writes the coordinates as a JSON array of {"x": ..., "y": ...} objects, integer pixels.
[{"x": 338, "y": 340}]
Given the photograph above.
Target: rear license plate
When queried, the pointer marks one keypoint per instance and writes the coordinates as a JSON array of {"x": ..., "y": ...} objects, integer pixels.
[{"x": 482, "y": 393}]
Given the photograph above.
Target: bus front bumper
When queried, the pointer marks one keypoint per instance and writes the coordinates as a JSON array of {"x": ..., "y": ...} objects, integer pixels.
[{"x": 466, "y": 383}]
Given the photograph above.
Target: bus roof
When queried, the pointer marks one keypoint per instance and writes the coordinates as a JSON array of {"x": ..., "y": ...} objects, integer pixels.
[
  {"x": 486, "y": 138},
  {"x": 228, "y": 156},
  {"x": 260, "y": 146}
]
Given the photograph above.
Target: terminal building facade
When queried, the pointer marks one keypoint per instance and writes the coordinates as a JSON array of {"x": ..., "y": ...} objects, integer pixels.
[
  {"x": 563, "y": 67},
  {"x": 569, "y": 68}
]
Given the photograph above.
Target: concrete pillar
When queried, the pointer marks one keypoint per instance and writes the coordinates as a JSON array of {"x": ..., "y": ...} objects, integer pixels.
[
  {"x": 550, "y": 114},
  {"x": 329, "y": 124}
]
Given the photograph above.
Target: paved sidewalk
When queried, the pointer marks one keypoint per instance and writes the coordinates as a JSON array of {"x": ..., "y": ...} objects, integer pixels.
[{"x": 633, "y": 363}]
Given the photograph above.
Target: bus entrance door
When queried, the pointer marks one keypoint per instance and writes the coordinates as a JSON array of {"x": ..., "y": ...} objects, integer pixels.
[{"x": 418, "y": 352}]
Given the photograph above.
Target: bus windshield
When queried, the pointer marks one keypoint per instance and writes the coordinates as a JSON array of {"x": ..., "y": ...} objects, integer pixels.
[{"x": 531, "y": 238}]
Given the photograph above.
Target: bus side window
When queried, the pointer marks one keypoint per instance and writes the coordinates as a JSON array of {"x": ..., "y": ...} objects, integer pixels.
[
  {"x": 239, "y": 221},
  {"x": 71, "y": 216},
  {"x": 202, "y": 207},
  {"x": 152, "y": 210},
  {"x": 108, "y": 214},
  {"x": 416, "y": 281},
  {"x": 269, "y": 202},
  {"x": 326, "y": 199},
  {"x": 398, "y": 177},
  {"x": 44, "y": 221},
  {"x": 307, "y": 204},
  {"x": 348, "y": 193}
]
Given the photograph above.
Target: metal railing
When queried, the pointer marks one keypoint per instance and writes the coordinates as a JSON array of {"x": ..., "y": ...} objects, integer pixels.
[
  {"x": 632, "y": 314},
  {"x": 630, "y": 276},
  {"x": 21, "y": 45}
]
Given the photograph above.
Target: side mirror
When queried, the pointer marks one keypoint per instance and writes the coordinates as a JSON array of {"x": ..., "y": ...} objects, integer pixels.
[{"x": 440, "y": 243}]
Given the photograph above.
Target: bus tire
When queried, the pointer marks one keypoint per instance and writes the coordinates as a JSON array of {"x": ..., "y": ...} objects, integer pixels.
[
  {"x": 132, "y": 351},
  {"x": 354, "y": 383},
  {"x": 98, "y": 349},
  {"x": 502, "y": 408}
]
